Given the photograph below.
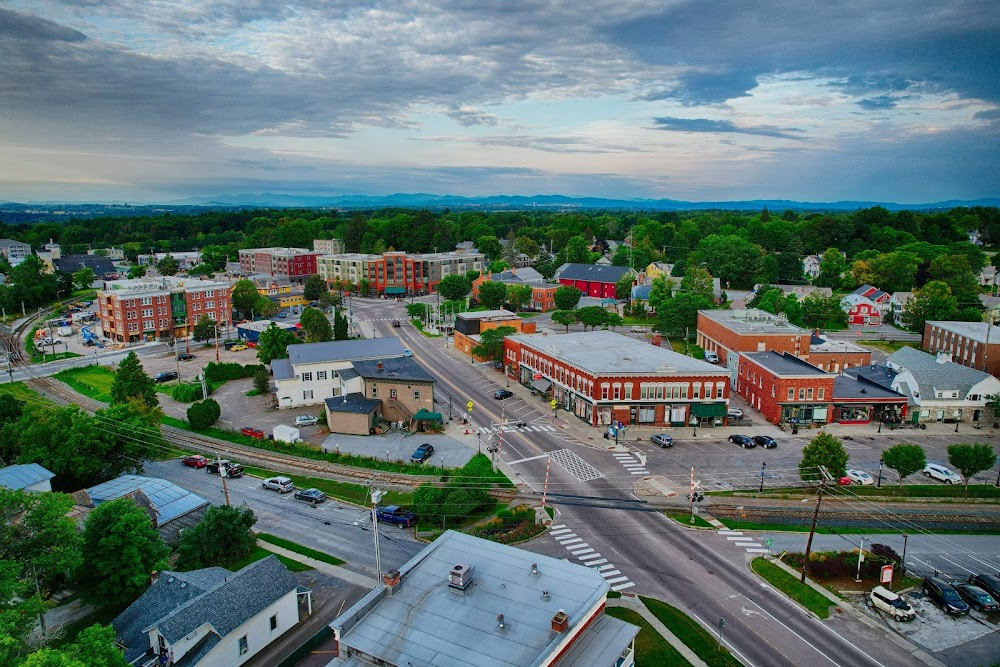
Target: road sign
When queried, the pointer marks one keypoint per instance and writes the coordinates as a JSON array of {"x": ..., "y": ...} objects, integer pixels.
[
  {"x": 553, "y": 403},
  {"x": 469, "y": 405},
  {"x": 769, "y": 542},
  {"x": 886, "y": 577}
]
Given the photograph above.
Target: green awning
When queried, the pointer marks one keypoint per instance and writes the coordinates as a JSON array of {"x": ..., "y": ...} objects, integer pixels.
[
  {"x": 395, "y": 290},
  {"x": 708, "y": 409},
  {"x": 424, "y": 415}
]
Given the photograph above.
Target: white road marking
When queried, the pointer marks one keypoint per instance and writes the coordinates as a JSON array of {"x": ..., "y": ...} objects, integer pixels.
[
  {"x": 582, "y": 552},
  {"x": 616, "y": 580},
  {"x": 955, "y": 564},
  {"x": 621, "y": 587}
]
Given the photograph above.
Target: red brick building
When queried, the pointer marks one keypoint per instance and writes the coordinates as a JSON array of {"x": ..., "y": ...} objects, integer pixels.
[
  {"x": 470, "y": 326},
  {"x": 594, "y": 280},
  {"x": 542, "y": 293},
  {"x": 604, "y": 377},
  {"x": 160, "y": 308},
  {"x": 295, "y": 264},
  {"x": 972, "y": 344}
]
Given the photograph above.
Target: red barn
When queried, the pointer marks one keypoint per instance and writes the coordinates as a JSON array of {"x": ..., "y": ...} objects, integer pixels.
[{"x": 593, "y": 280}]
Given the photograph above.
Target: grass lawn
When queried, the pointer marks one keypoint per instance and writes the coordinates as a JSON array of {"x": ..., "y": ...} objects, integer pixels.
[
  {"x": 685, "y": 518},
  {"x": 356, "y": 494},
  {"x": 527, "y": 314},
  {"x": 651, "y": 649},
  {"x": 91, "y": 381},
  {"x": 792, "y": 587},
  {"x": 21, "y": 392},
  {"x": 695, "y": 637},
  {"x": 60, "y": 355},
  {"x": 260, "y": 553},
  {"x": 889, "y": 346},
  {"x": 299, "y": 549}
]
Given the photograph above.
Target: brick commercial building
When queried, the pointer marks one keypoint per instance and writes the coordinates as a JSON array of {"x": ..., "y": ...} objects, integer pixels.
[
  {"x": 160, "y": 308},
  {"x": 602, "y": 376},
  {"x": 972, "y": 344},
  {"x": 594, "y": 280},
  {"x": 469, "y": 326},
  {"x": 835, "y": 355},
  {"x": 542, "y": 292},
  {"x": 398, "y": 273},
  {"x": 295, "y": 264}
]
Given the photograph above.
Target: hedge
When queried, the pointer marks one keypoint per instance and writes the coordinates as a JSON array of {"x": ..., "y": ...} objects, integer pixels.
[
  {"x": 189, "y": 392},
  {"x": 230, "y": 371}
]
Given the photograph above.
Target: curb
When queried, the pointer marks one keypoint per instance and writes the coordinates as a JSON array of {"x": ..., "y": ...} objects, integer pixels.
[{"x": 635, "y": 604}]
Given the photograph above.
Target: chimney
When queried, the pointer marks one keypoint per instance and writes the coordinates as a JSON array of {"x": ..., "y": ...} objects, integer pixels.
[
  {"x": 380, "y": 365},
  {"x": 153, "y": 576},
  {"x": 560, "y": 621},
  {"x": 391, "y": 580}
]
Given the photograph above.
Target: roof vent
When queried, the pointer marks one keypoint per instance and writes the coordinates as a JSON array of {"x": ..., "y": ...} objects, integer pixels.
[
  {"x": 864, "y": 390},
  {"x": 501, "y": 626},
  {"x": 534, "y": 569},
  {"x": 545, "y": 596},
  {"x": 380, "y": 365},
  {"x": 460, "y": 576}
]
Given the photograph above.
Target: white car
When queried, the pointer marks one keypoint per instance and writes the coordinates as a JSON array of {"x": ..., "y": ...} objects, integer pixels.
[
  {"x": 860, "y": 477},
  {"x": 938, "y": 471},
  {"x": 306, "y": 420},
  {"x": 638, "y": 329},
  {"x": 735, "y": 413}
]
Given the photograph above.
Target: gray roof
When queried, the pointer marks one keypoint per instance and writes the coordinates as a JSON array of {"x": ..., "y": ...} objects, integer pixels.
[
  {"x": 522, "y": 276},
  {"x": 605, "y": 352},
  {"x": 601, "y": 644},
  {"x": 425, "y": 622},
  {"x": 752, "y": 320},
  {"x": 352, "y": 404},
  {"x": 403, "y": 369},
  {"x": 169, "y": 500},
  {"x": 819, "y": 344},
  {"x": 73, "y": 263},
  {"x": 846, "y": 387},
  {"x": 932, "y": 373},
  {"x": 260, "y": 325},
  {"x": 23, "y": 475},
  {"x": 345, "y": 350},
  {"x": 592, "y": 272},
  {"x": 784, "y": 364},
  {"x": 181, "y": 602},
  {"x": 487, "y": 314},
  {"x": 976, "y": 331},
  {"x": 282, "y": 369}
]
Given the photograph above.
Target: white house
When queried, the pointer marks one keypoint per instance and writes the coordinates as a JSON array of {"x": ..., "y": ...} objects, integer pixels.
[
  {"x": 211, "y": 617},
  {"x": 26, "y": 477},
  {"x": 897, "y": 307},
  {"x": 810, "y": 266},
  {"x": 314, "y": 372},
  {"x": 988, "y": 276}
]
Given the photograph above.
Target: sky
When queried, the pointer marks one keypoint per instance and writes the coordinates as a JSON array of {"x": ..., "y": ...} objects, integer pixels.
[{"x": 698, "y": 100}]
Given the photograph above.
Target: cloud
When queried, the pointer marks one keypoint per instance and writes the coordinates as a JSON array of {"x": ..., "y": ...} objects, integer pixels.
[
  {"x": 26, "y": 28},
  {"x": 722, "y": 126},
  {"x": 880, "y": 102},
  {"x": 467, "y": 116}
]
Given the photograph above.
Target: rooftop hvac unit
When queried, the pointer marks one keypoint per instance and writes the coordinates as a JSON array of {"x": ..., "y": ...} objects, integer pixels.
[{"x": 460, "y": 576}]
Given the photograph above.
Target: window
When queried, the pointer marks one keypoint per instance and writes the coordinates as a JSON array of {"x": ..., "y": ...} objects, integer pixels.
[
  {"x": 802, "y": 394},
  {"x": 307, "y": 395},
  {"x": 320, "y": 375},
  {"x": 697, "y": 391},
  {"x": 809, "y": 394},
  {"x": 604, "y": 392},
  {"x": 147, "y": 312},
  {"x": 416, "y": 395},
  {"x": 374, "y": 392},
  {"x": 628, "y": 392},
  {"x": 392, "y": 393},
  {"x": 243, "y": 645},
  {"x": 821, "y": 393},
  {"x": 791, "y": 393},
  {"x": 774, "y": 388},
  {"x": 307, "y": 377},
  {"x": 274, "y": 622},
  {"x": 719, "y": 389},
  {"x": 617, "y": 393}
]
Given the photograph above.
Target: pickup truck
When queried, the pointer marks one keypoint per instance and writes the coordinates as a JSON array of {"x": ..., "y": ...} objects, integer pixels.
[{"x": 395, "y": 514}]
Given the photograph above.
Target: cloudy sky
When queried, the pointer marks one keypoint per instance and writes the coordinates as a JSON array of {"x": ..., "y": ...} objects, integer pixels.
[{"x": 703, "y": 100}]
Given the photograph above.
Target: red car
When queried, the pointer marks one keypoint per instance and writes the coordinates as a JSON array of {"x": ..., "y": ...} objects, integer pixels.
[
  {"x": 195, "y": 461},
  {"x": 254, "y": 433},
  {"x": 844, "y": 481}
]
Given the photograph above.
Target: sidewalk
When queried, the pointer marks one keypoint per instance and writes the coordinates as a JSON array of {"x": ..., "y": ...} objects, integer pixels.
[{"x": 636, "y": 605}]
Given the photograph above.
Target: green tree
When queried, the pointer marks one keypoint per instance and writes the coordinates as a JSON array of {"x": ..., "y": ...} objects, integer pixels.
[
  {"x": 11, "y": 409},
  {"x": 265, "y": 307},
  {"x": 202, "y": 269},
  {"x": 679, "y": 316},
  {"x": 94, "y": 647},
  {"x": 954, "y": 271},
  {"x": 168, "y": 266},
  {"x": 489, "y": 246},
  {"x": 733, "y": 259},
  {"x": 970, "y": 459},
  {"x": 131, "y": 382},
  {"x": 203, "y": 414},
  {"x": 262, "y": 381},
  {"x": 314, "y": 288},
  {"x": 340, "y": 325},
  {"x": 591, "y": 316},
  {"x": 244, "y": 297},
  {"x": 491, "y": 343},
  {"x": 933, "y": 301},
  {"x": 20, "y": 607},
  {"x": 527, "y": 246},
  {"x": 564, "y": 317},
  {"x": 661, "y": 292},
  {"x": 698, "y": 281},
  {"x": 84, "y": 278},
  {"x": 454, "y": 287},
  {"x": 518, "y": 296},
  {"x": 832, "y": 265},
  {"x": 566, "y": 297},
  {"x": 204, "y": 329},
  {"x": 615, "y": 320},
  {"x": 793, "y": 310},
  {"x": 120, "y": 549},
  {"x": 827, "y": 451},
  {"x": 623, "y": 288},
  {"x": 315, "y": 325},
  {"x": 492, "y": 295},
  {"x": 37, "y": 533},
  {"x": 905, "y": 459},
  {"x": 224, "y": 535},
  {"x": 136, "y": 271},
  {"x": 273, "y": 343}
]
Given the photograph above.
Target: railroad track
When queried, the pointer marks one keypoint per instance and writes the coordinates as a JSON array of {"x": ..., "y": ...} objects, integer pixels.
[{"x": 944, "y": 518}]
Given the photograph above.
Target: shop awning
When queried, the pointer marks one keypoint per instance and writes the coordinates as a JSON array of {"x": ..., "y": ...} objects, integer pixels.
[
  {"x": 395, "y": 290},
  {"x": 424, "y": 415},
  {"x": 541, "y": 385},
  {"x": 708, "y": 409}
]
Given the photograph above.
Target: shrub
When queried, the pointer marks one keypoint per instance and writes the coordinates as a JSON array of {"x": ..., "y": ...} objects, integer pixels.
[
  {"x": 203, "y": 414},
  {"x": 262, "y": 381},
  {"x": 189, "y": 392},
  {"x": 221, "y": 372}
]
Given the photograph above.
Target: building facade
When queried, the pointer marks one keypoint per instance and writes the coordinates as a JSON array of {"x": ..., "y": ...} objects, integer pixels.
[
  {"x": 972, "y": 344},
  {"x": 542, "y": 292},
  {"x": 160, "y": 308},
  {"x": 593, "y": 280},
  {"x": 396, "y": 272},
  {"x": 327, "y": 246},
  {"x": 469, "y": 327},
  {"x": 14, "y": 251},
  {"x": 730, "y": 332},
  {"x": 604, "y": 378},
  {"x": 295, "y": 264}
]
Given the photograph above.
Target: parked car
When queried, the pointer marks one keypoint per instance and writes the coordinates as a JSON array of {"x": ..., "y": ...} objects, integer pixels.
[
  {"x": 239, "y": 347},
  {"x": 887, "y": 602},
  {"x": 860, "y": 477},
  {"x": 407, "y": 352},
  {"x": 314, "y": 496},
  {"x": 424, "y": 452},
  {"x": 945, "y": 594},
  {"x": 283, "y": 314},
  {"x": 662, "y": 439},
  {"x": 501, "y": 394},
  {"x": 306, "y": 420},
  {"x": 735, "y": 413},
  {"x": 744, "y": 441},
  {"x": 844, "y": 481},
  {"x": 711, "y": 357},
  {"x": 195, "y": 461},
  {"x": 396, "y": 324},
  {"x": 977, "y": 597},
  {"x": 938, "y": 471},
  {"x": 229, "y": 344},
  {"x": 395, "y": 514},
  {"x": 185, "y": 356},
  {"x": 988, "y": 582},
  {"x": 279, "y": 484},
  {"x": 638, "y": 329},
  {"x": 232, "y": 469},
  {"x": 165, "y": 376},
  {"x": 765, "y": 441},
  {"x": 251, "y": 432}
]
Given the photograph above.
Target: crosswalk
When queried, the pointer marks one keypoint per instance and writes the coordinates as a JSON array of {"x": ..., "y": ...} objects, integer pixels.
[
  {"x": 739, "y": 539},
  {"x": 633, "y": 462},
  {"x": 589, "y": 557},
  {"x": 528, "y": 428}
]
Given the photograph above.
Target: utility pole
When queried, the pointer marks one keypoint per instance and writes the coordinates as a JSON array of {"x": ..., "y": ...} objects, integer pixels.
[
  {"x": 903, "y": 557},
  {"x": 691, "y": 494},
  {"x": 376, "y": 499},
  {"x": 812, "y": 530},
  {"x": 222, "y": 473},
  {"x": 861, "y": 555},
  {"x": 545, "y": 488},
  {"x": 217, "y": 343}
]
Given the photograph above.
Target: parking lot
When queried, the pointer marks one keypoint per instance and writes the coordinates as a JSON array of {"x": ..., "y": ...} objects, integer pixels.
[{"x": 397, "y": 446}]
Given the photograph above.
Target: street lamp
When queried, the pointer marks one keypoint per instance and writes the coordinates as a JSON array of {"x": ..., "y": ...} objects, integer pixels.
[
  {"x": 879, "y": 484},
  {"x": 762, "y": 467}
]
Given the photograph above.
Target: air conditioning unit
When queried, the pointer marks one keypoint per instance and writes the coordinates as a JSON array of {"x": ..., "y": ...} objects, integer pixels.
[{"x": 460, "y": 576}]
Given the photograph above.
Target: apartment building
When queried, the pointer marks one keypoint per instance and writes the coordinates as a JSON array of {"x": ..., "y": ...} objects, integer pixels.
[
  {"x": 14, "y": 251},
  {"x": 327, "y": 246},
  {"x": 397, "y": 272},
  {"x": 972, "y": 344},
  {"x": 160, "y": 308},
  {"x": 296, "y": 264}
]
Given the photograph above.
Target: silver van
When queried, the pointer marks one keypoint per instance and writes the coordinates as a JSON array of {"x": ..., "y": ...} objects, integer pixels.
[
  {"x": 711, "y": 357},
  {"x": 886, "y": 601}
]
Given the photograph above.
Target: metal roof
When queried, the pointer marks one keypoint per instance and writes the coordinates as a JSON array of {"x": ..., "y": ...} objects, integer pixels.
[
  {"x": 169, "y": 500},
  {"x": 784, "y": 364},
  {"x": 352, "y": 403},
  {"x": 23, "y": 475},
  {"x": 605, "y": 352},
  {"x": 345, "y": 350},
  {"x": 976, "y": 331},
  {"x": 752, "y": 320},
  {"x": 426, "y": 622},
  {"x": 930, "y": 372},
  {"x": 487, "y": 314},
  {"x": 593, "y": 272},
  {"x": 846, "y": 387},
  {"x": 401, "y": 369},
  {"x": 282, "y": 369},
  {"x": 601, "y": 644}
]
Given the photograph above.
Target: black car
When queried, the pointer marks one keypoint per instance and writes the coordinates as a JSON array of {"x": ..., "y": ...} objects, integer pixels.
[
  {"x": 977, "y": 597},
  {"x": 744, "y": 441},
  {"x": 423, "y": 453},
  {"x": 232, "y": 469},
  {"x": 314, "y": 496},
  {"x": 185, "y": 356},
  {"x": 945, "y": 594},
  {"x": 765, "y": 441},
  {"x": 230, "y": 343},
  {"x": 988, "y": 582},
  {"x": 165, "y": 376},
  {"x": 502, "y": 394}
]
